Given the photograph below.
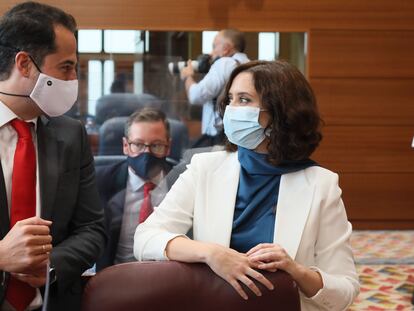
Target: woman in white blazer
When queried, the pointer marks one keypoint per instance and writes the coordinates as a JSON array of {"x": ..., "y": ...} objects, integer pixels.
[{"x": 262, "y": 204}]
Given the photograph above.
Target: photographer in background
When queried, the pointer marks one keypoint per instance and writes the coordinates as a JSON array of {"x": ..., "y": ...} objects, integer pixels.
[{"x": 227, "y": 54}]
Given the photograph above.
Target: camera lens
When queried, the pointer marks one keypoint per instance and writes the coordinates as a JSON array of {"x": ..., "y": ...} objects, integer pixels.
[
  {"x": 201, "y": 65},
  {"x": 175, "y": 67}
]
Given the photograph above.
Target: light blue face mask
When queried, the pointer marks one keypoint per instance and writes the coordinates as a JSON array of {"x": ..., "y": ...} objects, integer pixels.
[{"x": 242, "y": 127}]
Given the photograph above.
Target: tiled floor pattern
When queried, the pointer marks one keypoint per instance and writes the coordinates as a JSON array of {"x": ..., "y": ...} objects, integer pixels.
[
  {"x": 385, "y": 263},
  {"x": 383, "y": 247}
]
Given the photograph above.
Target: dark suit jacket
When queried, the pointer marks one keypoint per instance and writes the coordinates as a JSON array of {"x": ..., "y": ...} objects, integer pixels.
[
  {"x": 112, "y": 180},
  {"x": 69, "y": 198}
]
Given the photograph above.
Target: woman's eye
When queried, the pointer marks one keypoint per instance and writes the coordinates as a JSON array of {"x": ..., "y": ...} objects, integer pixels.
[{"x": 244, "y": 100}]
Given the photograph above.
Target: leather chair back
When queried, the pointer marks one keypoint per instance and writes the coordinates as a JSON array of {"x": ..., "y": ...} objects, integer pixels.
[
  {"x": 180, "y": 286},
  {"x": 101, "y": 161},
  {"x": 123, "y": 105}
]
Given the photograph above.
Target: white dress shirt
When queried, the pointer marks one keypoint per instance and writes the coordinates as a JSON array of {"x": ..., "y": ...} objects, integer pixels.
[
  {"x": 203, "y": 92},
  {"x": 8, "y": 141},
  {"x": 134, "y": 196}
]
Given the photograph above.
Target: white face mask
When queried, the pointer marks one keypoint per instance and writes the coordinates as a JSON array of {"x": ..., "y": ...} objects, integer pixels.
[
  {"x": 54, "y": 96},
  {"x": 242, "y": 127}
]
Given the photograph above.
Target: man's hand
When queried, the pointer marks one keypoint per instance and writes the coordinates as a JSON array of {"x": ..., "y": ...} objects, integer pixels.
[
  {"x": 26, "y": 247},
  {"x": 187, "y": 71},
  {"x": 36, "y": 279}
]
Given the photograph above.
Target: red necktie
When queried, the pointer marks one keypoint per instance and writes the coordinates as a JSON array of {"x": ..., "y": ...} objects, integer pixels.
[
  {"x": 23, "y": 203},
  {"x": 146, "y": 206}
]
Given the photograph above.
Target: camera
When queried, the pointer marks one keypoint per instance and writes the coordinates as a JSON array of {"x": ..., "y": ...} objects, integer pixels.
[{"x": 201, "y": 65}]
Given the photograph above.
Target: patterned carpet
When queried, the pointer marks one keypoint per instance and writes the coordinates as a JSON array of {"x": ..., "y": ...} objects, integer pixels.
[{"x": 385, "y": 263}]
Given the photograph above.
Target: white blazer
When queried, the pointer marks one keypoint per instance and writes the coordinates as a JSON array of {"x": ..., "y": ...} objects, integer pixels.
[{"x": 311, "y": 222}]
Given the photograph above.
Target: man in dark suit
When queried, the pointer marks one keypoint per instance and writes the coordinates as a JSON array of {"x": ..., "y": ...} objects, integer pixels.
[
  {"x": 49, "y": 203},
  {"x": 126, "y": 188}
]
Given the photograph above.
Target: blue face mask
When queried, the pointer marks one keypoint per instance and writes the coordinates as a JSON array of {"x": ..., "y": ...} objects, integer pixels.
[
  {"x": 146, "y": 165},
  {"x": 242, "y": 127}
]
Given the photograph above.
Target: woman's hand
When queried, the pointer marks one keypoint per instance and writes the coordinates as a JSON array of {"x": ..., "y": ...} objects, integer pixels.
[
  {"x": 234, "y": 267},
  {"x": 230, "y": 265},
  {"x": 270, "y": 257}
]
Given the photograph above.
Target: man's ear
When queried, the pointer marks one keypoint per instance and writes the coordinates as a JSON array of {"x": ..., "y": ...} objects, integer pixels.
[
  {"x": 228, "y": 48},
  {"x": 125, "y": 146},
  {"x": 169, "y": 147},
  {"x": 23, "y": 63}
]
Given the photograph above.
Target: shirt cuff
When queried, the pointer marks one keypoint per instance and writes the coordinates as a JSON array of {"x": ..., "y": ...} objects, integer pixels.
[
  {"x": 329, "y": 296},
  {"x": 320, "y": 298}
]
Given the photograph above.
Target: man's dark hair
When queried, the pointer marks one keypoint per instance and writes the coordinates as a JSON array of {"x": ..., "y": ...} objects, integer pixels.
[
  {"x": 147, "y": 114},
  {"x": 29, "y": 27},
  {"x": 285, "y": 94},
  {"x": 236, "y": 37}
]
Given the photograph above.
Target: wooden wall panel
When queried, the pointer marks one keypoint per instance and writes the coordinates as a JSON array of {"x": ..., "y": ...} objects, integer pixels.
[
  {"x": 364, "y": 83},
  {"x": 371, "y": 224},
  {"x": 365, "y": 101},
  {"x": 367, "y": 149},
  {"x": 380, "y": 197},
  {"x": 359, "y": 54},
  {"x": 248, "y": 15}
]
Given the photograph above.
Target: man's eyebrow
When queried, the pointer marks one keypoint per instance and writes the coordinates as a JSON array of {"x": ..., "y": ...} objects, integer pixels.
[{"x": 68, "y": 62}]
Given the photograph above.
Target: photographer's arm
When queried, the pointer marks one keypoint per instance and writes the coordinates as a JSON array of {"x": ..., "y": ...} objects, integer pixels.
[
  {"x": 188, "y": 83},
  {"x": 187, "y": 75}
]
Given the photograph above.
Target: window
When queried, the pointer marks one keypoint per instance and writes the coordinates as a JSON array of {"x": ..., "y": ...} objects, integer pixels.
[
  {"x": 94, "y": 84},
  {"x": 268, "y": 45},
  {"x": 135, "y": 63},
  {"x": 123, "y": 41},
  {"x": 208, "y": 38},
  {"x": 90, "y": 41}
]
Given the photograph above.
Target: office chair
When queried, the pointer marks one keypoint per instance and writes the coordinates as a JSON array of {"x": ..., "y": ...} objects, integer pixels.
[{"x": 122, "y": 105}]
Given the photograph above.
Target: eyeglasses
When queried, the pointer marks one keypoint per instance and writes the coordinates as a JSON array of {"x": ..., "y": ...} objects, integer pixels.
[{"x": 157, "y": 148}]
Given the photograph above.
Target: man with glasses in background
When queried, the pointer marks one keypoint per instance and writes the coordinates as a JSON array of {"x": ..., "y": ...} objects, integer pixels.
[{"x": 126, "y": 187}]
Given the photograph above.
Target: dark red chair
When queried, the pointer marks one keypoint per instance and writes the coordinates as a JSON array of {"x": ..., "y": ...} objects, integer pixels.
[{"x": 173, "y": 285}]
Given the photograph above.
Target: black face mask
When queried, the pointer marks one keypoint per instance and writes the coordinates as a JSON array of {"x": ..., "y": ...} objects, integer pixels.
[{"x": 146, "y": 165}]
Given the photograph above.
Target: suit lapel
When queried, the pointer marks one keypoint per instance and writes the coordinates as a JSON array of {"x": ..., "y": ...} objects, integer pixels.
[
  {"x": 294, "y": 203},
  {"x": 4, "y": 210},
  {"x": 47, "y": 148},
  {"x": 223, "y": 183}
]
